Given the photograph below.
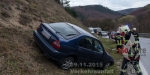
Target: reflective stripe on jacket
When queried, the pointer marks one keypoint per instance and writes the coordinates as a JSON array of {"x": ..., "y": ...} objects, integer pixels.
[{"x": 119, "y": 40}]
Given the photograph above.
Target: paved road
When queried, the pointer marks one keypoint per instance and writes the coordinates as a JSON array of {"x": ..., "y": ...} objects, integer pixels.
[{"x": 145, "y": 57}]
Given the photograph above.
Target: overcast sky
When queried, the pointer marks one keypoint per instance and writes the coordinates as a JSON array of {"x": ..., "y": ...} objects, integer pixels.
[{"x": 111, "y": 4}]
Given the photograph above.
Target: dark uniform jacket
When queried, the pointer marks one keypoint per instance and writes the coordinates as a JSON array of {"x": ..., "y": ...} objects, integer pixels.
[
  {"x": 136, "y": 35},
  {"x": 119, "y": 39}
]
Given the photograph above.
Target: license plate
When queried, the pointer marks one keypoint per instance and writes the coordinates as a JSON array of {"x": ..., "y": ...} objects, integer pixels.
[{"x": 46, "y": 34}]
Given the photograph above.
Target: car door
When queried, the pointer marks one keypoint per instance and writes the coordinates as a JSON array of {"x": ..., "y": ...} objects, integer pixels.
[
  {"x": 98, "y": 52},
  {"x": 85, "y": 49}
]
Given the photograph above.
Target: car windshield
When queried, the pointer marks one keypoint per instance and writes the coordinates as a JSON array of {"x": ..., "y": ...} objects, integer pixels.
[{"x": 64, "y": 30}]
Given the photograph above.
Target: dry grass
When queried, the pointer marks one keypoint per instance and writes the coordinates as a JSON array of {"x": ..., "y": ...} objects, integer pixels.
[
  {"x": 19, "y": 54},
  {"x": 5, "y": 14},
  {"x": 25, "y": 19}
]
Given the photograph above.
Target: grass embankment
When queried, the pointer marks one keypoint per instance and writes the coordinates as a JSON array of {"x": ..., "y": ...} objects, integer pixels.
[{"x": 19, "y": 54}]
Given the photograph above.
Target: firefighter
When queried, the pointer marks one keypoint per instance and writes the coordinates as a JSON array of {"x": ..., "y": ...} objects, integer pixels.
[
  {"x": 136, "y": 36},
  {"x": 118, "y": 40},
  {"x": 132, "y": 53}
]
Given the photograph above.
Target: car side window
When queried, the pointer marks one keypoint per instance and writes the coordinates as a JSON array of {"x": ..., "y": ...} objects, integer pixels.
[
  {"x": 98, "y": 47},
  {"x": 86, "y": 43}
]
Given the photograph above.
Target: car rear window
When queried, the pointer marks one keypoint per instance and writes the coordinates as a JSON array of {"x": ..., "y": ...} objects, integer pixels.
[{"x": 64, "y": 30}]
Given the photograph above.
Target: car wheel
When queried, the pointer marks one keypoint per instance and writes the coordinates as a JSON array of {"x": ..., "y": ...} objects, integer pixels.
[{"x": 67, "y": 63}]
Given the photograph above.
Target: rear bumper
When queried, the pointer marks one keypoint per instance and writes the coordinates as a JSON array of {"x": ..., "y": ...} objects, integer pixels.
[{"x": 46, "y": 47}]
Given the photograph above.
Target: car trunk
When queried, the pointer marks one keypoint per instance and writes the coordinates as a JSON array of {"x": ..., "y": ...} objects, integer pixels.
[{"x": 49, "y": 35}]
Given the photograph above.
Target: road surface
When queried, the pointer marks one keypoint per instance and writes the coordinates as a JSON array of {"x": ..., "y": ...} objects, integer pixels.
[{"x": 145, "y": 57}]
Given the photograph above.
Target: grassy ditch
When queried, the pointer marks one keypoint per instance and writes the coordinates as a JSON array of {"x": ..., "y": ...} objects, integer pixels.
[
  {"x": 109, "y": 45},
  {"x": 20, "y": 55}
]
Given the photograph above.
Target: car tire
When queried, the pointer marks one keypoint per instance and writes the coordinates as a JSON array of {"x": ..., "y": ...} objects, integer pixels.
[{"x": 67, "y": 63}]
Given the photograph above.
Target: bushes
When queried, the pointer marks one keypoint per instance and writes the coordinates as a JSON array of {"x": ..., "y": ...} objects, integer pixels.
[
  {"x": 71, "y": 12},
  {"x": 25, "y": 19}
]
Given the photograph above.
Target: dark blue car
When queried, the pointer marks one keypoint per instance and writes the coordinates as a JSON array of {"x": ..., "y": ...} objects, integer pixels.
[{"x": 71, "y": 46}]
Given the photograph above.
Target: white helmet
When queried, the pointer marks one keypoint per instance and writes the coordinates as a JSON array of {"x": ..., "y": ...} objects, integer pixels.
[
  {"x": 134, "y": 29},
  {"x": 124, "y": 29},
  {"x": 118, "y": 32}
]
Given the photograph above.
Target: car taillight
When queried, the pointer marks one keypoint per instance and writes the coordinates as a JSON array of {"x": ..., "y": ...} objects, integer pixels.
[
  {"x": 38, "y": 28},
  {"x": 56, "y": 44}
]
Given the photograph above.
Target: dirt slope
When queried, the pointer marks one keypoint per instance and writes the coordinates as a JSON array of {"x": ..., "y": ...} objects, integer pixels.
[{"x": 19, "y": 54}]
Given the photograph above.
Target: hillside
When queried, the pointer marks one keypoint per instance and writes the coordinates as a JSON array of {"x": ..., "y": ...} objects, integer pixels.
[
  {"x": 127, "y": 11},
  {"x": 143, "y": 18},
  {"x": 95, "y": 11},
  {"x": 19, "y": 54}
]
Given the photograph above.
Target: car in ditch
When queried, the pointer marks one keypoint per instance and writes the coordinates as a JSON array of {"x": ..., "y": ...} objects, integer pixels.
[{"x": 71, "y": 46}]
